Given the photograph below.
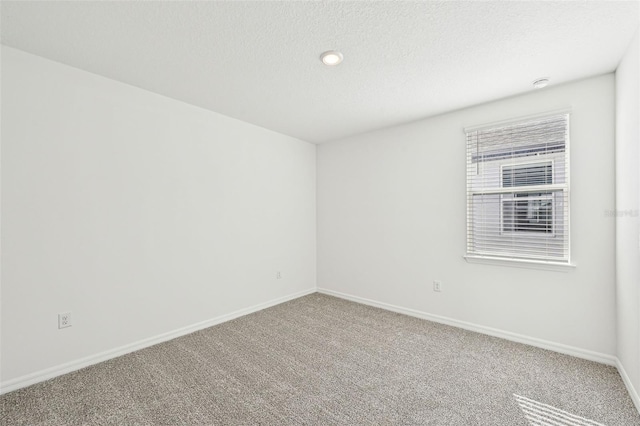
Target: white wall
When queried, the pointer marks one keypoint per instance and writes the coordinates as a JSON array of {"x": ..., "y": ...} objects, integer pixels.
[
  {"x": 138, "y": 213},
  {"x": 628, "y": 207},
  {"x": 391, "y": 219}
]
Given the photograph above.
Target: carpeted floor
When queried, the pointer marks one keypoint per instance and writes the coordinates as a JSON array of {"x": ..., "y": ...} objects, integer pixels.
[{"x": 320, "y": 360}]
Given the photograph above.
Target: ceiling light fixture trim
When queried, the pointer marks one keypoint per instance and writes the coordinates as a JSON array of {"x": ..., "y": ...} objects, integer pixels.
[
  {"x": 541, "y": 82},
  {"x": 331, "y": 58}
]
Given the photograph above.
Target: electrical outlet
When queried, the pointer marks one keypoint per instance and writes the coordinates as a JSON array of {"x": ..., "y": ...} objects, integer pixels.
[
  {"x": 64, "y": 320},
  {"x": 437, "y": 286},
  {"x": 278, "y": 275}
]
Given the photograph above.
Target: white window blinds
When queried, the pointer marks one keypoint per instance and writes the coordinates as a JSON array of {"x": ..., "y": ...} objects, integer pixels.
[{"x": 518, "y": 190}]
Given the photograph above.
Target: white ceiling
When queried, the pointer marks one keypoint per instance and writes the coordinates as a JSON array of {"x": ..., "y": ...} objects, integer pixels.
[{"x": 259, "y": 61}]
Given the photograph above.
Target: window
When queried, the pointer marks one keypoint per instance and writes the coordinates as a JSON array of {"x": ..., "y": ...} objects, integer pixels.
[
  {"x": 527, "y": 212},
  {"x": 518, "y": 190}
]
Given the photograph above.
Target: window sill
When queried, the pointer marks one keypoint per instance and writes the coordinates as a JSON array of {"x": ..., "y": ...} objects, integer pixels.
[{"x": 521, "y": 263}]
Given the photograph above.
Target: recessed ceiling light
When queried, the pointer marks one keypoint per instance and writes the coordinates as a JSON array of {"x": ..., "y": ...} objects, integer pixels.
[
  {"x": 540, "y": 83},
  {"x": 331, "y": 58}
]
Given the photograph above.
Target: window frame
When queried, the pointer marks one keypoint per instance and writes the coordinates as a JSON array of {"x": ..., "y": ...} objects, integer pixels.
[{"x": 564, "y": 264}]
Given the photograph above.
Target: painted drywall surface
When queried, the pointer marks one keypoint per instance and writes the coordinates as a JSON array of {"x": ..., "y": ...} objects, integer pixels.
[
  {"x": 137, "y": 213},
  {"x": 628, "y": 206},
  {"x": 391, "y": 219}
]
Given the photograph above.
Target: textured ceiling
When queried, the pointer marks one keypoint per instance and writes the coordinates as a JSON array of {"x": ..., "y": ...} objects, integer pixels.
[{"x": 258, "y": 61}]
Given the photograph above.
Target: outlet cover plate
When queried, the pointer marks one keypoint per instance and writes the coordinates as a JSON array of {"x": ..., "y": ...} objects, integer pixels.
[{"x": 64, "y": 320}]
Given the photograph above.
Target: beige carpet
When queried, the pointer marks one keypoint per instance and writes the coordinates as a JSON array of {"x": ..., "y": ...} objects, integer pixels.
[{"x": 320, "y": 360}]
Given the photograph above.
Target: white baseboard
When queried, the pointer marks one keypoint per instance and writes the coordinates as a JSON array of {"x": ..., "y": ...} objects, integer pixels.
[
  {"x": 627, "y": 382},
  {"x": 49, "y": 373},
  {"x": 515, "y": 337}
]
